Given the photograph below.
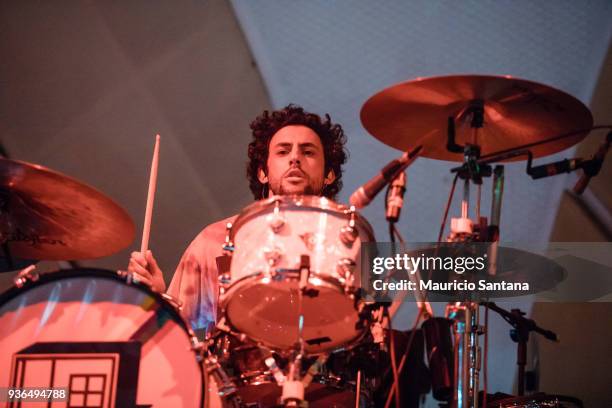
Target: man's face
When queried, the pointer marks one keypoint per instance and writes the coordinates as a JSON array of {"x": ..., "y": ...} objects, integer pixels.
[{"x": 296, "y": 162}]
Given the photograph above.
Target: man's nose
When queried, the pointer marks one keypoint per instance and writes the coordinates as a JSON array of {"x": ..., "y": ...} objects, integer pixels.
[{"x": 294, "y": 158}]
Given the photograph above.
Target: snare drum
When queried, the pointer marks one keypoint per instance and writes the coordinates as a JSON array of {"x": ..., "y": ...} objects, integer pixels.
[
  {"x": 274, "y": 242},
  {"x": 106, "y": 342}
]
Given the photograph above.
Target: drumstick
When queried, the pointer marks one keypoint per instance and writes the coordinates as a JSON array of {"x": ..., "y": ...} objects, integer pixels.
[{"x": 146, "y": 229}]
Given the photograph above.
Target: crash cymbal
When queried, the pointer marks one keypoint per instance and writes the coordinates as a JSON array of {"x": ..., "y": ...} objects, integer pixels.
[
  {"x": 516, "y": 112},
  {"x": 49, "y": 216}
]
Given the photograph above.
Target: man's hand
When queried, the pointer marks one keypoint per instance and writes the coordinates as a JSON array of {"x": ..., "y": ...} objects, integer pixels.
[{"x": 145, "y": 267}]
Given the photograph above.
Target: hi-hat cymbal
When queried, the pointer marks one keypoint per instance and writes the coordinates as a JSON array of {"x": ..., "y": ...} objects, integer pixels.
[
  {"x": 516, "y": 112},
  {"x": 49, "y": 216}
]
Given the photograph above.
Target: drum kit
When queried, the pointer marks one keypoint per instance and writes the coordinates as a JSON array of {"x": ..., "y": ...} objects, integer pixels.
[{"x": 293, "y": 328}]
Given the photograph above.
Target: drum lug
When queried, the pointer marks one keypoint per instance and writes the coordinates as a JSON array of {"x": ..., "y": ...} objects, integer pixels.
[
  {"x": 345, "y": 268},
  {"x": 225, "y": 280},
  {"x": 276, "y": 221},
  {"x": 228, "y": 245},
  {"x": 348, "y": 233},
  {"x": 272, "y": 255},
  {"x": 26, "y": 275}
]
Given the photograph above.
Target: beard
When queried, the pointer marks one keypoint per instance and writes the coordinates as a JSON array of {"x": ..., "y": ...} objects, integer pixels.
[
  {"x": 285, "y": 188},
  {"x": 305, "y": 190}
]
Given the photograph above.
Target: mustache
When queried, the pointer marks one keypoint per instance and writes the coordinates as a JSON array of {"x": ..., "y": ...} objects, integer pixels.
[{"x": 295, "y": 169}]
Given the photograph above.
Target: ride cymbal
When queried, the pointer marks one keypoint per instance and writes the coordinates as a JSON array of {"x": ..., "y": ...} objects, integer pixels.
[{"x": 515, "y": 112}]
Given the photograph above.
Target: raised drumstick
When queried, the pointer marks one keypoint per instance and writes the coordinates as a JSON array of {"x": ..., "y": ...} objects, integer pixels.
[{"x": 146, "y": 229}]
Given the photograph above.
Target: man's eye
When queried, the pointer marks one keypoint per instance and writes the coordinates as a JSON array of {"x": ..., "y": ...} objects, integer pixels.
[
  {"x": 309, "y": 153},
  {"x": 281, "y": 152}
]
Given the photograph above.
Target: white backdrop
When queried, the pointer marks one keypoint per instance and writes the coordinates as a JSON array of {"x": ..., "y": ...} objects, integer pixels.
[{"x": 331, "y": 56}]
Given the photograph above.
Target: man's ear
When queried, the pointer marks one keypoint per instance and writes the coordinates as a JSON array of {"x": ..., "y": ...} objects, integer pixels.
[
  {"x": 261, "y": 176},
  {"x": 331, "y": 176}
]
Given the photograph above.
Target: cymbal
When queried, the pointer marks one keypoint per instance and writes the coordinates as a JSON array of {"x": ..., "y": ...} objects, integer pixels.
[
  {"x": 516, "y": 112},
  {"x": 49, "y": 216}
]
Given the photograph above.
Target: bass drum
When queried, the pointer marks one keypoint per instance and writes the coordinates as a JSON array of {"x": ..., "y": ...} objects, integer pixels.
[{"x": 107, "y": 342}]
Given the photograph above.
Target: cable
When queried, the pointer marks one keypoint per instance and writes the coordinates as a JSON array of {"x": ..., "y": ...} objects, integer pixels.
[
  {"x": 399, "y": 236},
  {"x": 392, "y": 232},
  {"x": 404, "y": 357},
  {"x": 395, "y": 389},
  {"x": 485, "y": 357}
]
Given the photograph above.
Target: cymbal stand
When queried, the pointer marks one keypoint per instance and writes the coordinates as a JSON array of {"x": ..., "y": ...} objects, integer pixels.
[
  {"x": 293, "y": 387},
  {"x": 520, "y": 335},
  {"x": 465, "y": 314}
]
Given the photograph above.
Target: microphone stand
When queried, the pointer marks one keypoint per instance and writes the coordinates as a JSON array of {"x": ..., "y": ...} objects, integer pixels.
[{"x": 520, "y": 335}]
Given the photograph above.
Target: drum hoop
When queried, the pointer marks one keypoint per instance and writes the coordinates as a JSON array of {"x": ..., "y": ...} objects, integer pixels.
[
  {"x": 307, "y": 203},
  {"x": 48, "y": 277},
  {"x": 224, "y": 303},
  {"x": 329, "y": 281}
]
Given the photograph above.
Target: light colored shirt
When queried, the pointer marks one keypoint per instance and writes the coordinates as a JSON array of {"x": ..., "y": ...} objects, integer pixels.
[{"x": 196, "y": 280}]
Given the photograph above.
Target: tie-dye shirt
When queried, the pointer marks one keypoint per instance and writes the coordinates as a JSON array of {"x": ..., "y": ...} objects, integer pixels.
[{"x": 195, "y": 282}]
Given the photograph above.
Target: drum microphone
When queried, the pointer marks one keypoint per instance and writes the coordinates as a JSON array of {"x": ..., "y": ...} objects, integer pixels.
[
  {"x": 395, "y": 200},
  {"x": 366, "y": 193},
  {"x": 552, "y": 169},
  {"x": 592, "y": 167}
]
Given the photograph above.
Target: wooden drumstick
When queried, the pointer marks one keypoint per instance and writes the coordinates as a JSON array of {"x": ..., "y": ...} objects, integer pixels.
[{"x": 146, "y": 229}]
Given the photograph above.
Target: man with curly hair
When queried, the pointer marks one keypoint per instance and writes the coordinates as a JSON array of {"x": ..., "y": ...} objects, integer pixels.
[{"x": 292, "y": 152}]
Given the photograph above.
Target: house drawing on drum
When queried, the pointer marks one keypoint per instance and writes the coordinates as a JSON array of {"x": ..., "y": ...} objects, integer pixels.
[{"x": 95, "y": 374}]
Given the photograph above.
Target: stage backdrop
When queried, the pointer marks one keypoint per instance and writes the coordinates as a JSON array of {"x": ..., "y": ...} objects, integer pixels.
[
  {"x": 85, "y": 85},
  {"x": 331, "y": 57}
]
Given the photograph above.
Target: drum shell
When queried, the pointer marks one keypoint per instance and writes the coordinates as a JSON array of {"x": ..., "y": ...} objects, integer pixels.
[
  {"x": 270, "y": 240},
  {"x": 312, "y": 227}
]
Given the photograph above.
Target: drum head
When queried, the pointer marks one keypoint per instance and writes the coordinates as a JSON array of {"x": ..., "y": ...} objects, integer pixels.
[
  {"x": 268, "y": 311},
  {"x": 108, "y": 343}
]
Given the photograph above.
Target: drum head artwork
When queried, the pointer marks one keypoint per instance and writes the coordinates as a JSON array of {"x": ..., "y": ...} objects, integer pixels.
[{"x": 108, "y": 343}]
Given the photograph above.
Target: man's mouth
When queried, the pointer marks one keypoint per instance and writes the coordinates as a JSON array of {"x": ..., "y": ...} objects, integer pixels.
[{"x": 295, "y": 174}]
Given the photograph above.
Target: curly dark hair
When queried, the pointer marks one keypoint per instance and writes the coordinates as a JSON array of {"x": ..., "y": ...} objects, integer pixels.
[{"x": 268, "y": 123}]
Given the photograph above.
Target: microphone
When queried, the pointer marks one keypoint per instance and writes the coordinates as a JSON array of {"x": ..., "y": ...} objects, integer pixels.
[
  {"x": 366, "y": 193},
  {"x": 395, "y": 200},
  {"x": 552, "y": 169},
  {"x": 591, "y": 167}
]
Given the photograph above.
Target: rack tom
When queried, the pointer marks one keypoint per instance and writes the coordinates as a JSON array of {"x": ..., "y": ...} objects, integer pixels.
[{"x": 278, "y": 241}]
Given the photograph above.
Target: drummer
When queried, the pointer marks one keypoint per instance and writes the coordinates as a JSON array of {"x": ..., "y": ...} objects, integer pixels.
[{"x": 292, "y": 152}]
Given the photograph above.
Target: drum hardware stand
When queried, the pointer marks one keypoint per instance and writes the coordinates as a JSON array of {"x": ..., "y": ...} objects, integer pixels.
[
  {"x": 293, "y": 387},
  {"x": 466, "y": 327},
  {"x": 520, "y": 335},
  {"x": 223, "y": 328},
  {"x": 226, "y": 387}
]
